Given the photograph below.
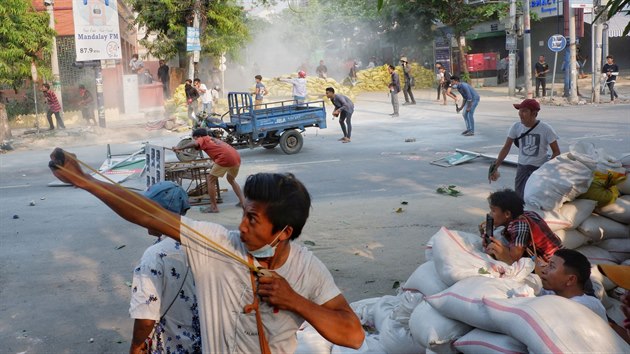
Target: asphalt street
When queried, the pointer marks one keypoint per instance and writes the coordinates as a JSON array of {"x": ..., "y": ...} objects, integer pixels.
[{"x": 64, "y": 270}]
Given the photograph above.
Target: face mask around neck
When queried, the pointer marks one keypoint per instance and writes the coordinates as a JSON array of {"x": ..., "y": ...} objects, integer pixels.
[{"x": 267, "y": 250}]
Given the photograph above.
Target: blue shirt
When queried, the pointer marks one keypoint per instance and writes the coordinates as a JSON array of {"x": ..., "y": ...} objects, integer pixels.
[{"x": 467, "y": 92}]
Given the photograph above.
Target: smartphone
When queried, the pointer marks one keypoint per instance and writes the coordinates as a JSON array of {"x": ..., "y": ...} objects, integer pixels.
[{"x": 489, "y": 228}]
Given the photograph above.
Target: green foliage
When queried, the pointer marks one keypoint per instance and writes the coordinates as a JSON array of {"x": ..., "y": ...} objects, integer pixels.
[
  {"x": 223, "y": 27},
  {"x": 614, "y": 7},
  {"x": 25, "y": 38}
]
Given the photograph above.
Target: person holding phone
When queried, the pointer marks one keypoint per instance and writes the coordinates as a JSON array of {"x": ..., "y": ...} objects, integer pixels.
[{"x": 526, "y": 233}]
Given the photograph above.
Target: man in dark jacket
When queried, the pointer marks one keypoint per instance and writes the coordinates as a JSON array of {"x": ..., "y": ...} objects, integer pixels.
[
  {"x": 407, "y": 90},
  {"x": 163, "y": 76},
  {"x": 394, "y": 88},
  {"x": 343, "y": 109},
  {"x": 191, "y": 99}
]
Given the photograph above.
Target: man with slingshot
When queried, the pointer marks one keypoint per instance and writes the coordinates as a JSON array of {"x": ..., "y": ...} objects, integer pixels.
[{"x": 254, "y": 286}]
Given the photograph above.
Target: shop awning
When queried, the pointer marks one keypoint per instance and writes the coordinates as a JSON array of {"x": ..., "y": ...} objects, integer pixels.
[{"x": 474, "y": 36}]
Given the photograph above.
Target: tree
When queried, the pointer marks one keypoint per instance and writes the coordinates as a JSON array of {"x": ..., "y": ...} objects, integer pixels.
[
  {"x": 223, "y": 27},
  {"x": 614, "y": 7},
  {"x": 26, "y": 39}
]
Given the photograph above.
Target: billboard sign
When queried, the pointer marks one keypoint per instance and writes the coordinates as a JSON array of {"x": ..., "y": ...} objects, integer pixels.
[{"x": 96, "y": 31}]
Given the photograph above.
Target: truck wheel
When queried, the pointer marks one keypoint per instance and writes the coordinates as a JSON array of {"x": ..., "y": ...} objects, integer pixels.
[
  {"x": 291, "y": 142},
  {"x": 188, "y": 154}
]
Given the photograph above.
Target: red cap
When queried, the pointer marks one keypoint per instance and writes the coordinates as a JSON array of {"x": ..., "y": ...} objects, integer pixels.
[
  {"x": 530, "y": 103},
  {"x": 302, "y": 73}
]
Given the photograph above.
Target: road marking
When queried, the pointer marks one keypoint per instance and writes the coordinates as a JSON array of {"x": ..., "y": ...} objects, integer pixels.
[
  {"x": 16, "y": 186},
  {"x": 309, "y": 163}
]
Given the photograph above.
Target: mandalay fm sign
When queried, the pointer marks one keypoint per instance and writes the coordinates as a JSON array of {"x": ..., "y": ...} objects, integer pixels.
[{"x": 96, "y": 31}]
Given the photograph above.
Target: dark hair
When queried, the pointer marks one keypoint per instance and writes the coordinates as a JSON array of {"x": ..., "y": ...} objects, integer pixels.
[
  {"x": 188, "y": 80},
  {"x": 507, "y": 200},
  {"x": 258, "y": 77},
  {"x": 455, "y": 78},
  {"x": 199, "y": 132},
  {"x": 135, "y": 56},
  {"x": 610, "y": 56},
  {"x": 81, "y": 87},
  {"x": 197, "y": 80},
  {"x": 575, "y": 263},
  {"x": 391, "y": 67},
  {"x": 330, "y": 89},
  {"x": 286, "y": 198},
  {"x": 47, "y": 86}
]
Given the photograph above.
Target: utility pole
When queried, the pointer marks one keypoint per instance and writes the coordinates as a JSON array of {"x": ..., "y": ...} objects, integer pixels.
[
  {"x": 527, "y": 51},
  {"x": 56, "y": 84},
  {"x": 572, "y": 63},
  {"x": 194, "y": 58},
  {"x": 597, "y": 53},
  {"x": 511, "y": 38}
]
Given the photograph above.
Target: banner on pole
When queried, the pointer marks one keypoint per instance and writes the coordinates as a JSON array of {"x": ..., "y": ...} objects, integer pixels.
[
  {"x": 96, "y": 30},
  {"x": 193, "y": 42}
]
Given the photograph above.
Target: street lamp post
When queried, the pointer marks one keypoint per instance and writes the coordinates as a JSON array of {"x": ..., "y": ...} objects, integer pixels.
[{"x": 56, "y": 83}]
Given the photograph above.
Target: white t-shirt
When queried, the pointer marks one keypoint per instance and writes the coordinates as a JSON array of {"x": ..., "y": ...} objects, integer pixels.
[
  {"x": 593, "y": 303},
  {"x": 533, "y": 146},
  {"x": 160, "y": 280},
  {"x": 206, "y": 96},
  {"x": 299, "y": 86},
  {"x": 224, "y": 288}
]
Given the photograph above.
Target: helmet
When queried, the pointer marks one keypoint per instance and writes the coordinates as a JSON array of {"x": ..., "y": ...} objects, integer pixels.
[{"x": 302, "y": 73}]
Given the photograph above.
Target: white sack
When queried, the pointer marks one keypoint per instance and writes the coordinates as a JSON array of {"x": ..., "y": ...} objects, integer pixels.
[
  {"x": 618, "y": 248},
  {"x": 553, "y": 324},
  {"x": 480, "y": 341},
  {"x": 430, "y": 329},
  {"x": 615, "y": 313},
  {"x": 311, "y": 342},
  {"x": 408, "y": 302},
  {"x": 618, "y": 211},
  {"x": 396, "y": 338},
  {"x": 624, "y": 187},
  {"x": 365, "y": 310},
  {"x": 577, "y": 211},
  {"x": 596, "y": 255},
  {"x": 383, "y": 309},
  {"x": 572, "y": 239},
  {"x": 425, "y": 279},
  {"x": 554, "y": 220},
  {"x": 371, "y": 345},
  {"x": 557, "y": 181},
  {"x": 458, "y": 255},
  {"x": 598, "y": 228},
  {"x": 594, "y": 158},
  {"x": 463, "y": 301}
]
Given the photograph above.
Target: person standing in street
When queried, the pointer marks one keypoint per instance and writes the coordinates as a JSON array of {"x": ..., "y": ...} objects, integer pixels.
[
  {"x": 192, "y": 95},
  {"x": 471, "y": 100},
  {"x": 164, "y": 77},
  {"x": 259, "y": 93},
  {"x": 439, "y": 78},
  {"x": 541, "y": 69},
  {"x": 163, "y": 298},
  {"x": 407, "y": 90},
  {"x": 322, "y": 70},
  {"x": 611, "y": 70},
  {"x": 445, "y": 82},
  {"x": 394, "y": 88},
  {"x": 86, "y": 103},
  {"x": 531, "y": 137},
  {"x": 54, "y": 107},
  {"x": 343, "y": 109},
  {"x": 206, "y": 96},
  {"x": 226, "y": 161},
  {"x": 299, "y": 86}
]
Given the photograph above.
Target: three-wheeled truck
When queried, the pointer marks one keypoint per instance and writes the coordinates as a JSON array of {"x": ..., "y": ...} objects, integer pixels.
[{"x": 268, "y": 125}]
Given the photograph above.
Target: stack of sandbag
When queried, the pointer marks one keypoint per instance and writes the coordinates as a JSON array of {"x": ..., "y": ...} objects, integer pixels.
[
  {"x": 315, "y": 88},
  {"x": 584, "y": 196},
  {"x": 377, "y": 78},
  {"x": 462, "y": 300}
]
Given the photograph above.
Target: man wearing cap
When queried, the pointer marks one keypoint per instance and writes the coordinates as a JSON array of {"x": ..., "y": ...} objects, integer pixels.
[
  {"x": 407, "y": 89},
  {"x": 299, "y": 86},
  {"x": 163, "y": 301},
  {"x": 227, "y": 162},
  {"x": 532, "y": 137}
]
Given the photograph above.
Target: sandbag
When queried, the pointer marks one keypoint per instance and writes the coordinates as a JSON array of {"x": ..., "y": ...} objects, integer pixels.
[
  {"x": 572, "y": 239},
  {"x": 458, "y": 255},
  {"x": 596, "y": 255},
  {"x": 557, "y": 181},
  {"x": 425, "y": 279},
  {"x": 371, "y": 345},
  {"x": 480, "y": 341},
  {"x": 624, "y": 187},
  {"x": 577, "y": 211},
  {"x": 618, "y": 211},
  {"x": 408, "y": 302},
  {"x": 310, "y": 341},
  {"x": 554, "y": 220},
  {"x": 463, "y": 301},
  {"x": 598, "y": 277},
  {"x": 597, "y": 228},
  {"x": 618, "y": 248},
  {"x": 364, "y": 309},
  {"x": 553, "y": 324},
  {"x": 594, "y": 158},
  {"x": 604, "y": 189},
  {"x": 383, "y": 309},
  {"x": 396, "y": 338},
  {"x": 431, "y": 329}
]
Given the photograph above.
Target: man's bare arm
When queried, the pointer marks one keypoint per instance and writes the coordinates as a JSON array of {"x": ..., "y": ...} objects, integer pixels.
[
  {"x": 131, "y": 206},
  {"x": 141, "y": 331},
  {"x": 555, "y": 149},
  {"x": 505, "y": 150}
]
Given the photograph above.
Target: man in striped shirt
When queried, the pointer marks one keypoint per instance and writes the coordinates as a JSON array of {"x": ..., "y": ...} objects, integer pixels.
[{"x": 53, "y": 107}]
